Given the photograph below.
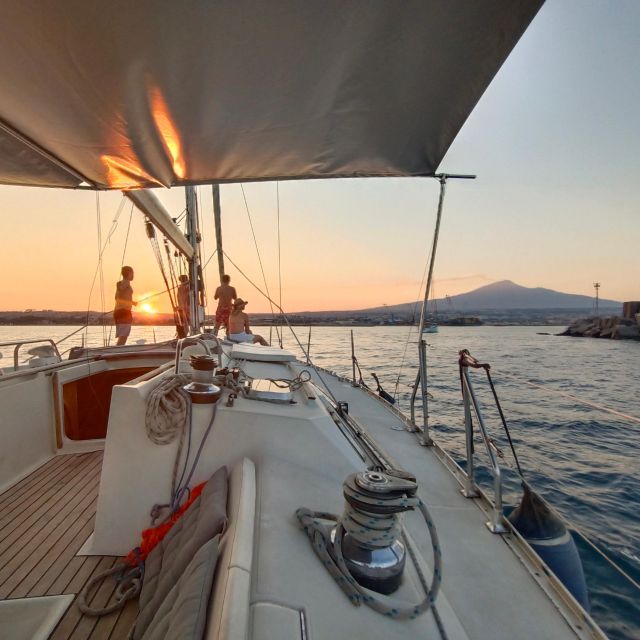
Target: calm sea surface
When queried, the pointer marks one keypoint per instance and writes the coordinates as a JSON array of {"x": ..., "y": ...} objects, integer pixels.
[{"x": 581, "y": 459}]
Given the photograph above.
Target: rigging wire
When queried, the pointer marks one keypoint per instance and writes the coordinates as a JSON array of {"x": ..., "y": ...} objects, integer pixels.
[
  {"x": 171, "y": 266},
  {"x": 210, "y": 258},
  {"x": 170, "y": 288},
  {"x": 490, "y": 441},
  {"x": 563, "y": 394},
  {"x": 126, "y": 240},
  {"x": 410, "y": 332},
  {"x": 84, "y": 326},
  {"x": 124, "y": 253},
  {"x": 518, "y": 469},
  {"x": 279, "y": 255},
  {"x": 605, "y": 557},
  {"x": 203, "y": 251},
  {"x": 114, "y": 226},
  {"x": 100, "y": 265},
  {"x": 255, "y": 241}
]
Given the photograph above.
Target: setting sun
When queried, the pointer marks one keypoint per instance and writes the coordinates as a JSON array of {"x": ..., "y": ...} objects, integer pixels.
[{"x": 147, "y": 308}]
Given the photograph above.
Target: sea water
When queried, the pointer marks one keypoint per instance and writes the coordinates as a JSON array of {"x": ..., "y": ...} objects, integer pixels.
[{"x": 580, "y": 458}]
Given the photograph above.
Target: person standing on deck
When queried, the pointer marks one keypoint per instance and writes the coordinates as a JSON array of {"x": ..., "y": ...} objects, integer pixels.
[
  {"x": 184, "y": 304},
  {"x": 225, "y": 295},
  {"x": 239, "y": 325},
  {"x": 124, "y": 302}
]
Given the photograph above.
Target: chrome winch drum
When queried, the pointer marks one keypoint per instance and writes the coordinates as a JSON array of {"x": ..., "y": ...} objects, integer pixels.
[
  {"x": 201, "y": 388},
  {"x": 371, "y": 545}
]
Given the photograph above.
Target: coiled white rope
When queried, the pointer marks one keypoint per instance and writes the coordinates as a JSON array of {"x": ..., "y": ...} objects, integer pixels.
[
  {"x": 167, "y": 414},
  {"x": 167, "y": 409}
]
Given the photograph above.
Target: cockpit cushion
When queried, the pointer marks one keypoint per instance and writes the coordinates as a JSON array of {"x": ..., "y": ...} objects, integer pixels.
[
  {"x": 258, "y": 353},
  {"x": 204, "y": 519},
  {"x": 183, "y": 613}
]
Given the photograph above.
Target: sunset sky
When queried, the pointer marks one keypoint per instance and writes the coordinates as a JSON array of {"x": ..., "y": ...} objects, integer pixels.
[{"x": 555, "y": 142}]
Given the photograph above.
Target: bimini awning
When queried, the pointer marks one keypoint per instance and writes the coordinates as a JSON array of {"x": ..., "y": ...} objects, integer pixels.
[{"x": 125, "y": 94}]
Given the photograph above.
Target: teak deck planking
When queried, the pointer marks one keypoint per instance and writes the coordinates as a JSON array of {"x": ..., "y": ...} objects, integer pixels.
[{"x": 44, "y": 521}]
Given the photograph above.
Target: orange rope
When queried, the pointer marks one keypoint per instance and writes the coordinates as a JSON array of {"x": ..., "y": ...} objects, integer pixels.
[{"x": 153, "y": 536}]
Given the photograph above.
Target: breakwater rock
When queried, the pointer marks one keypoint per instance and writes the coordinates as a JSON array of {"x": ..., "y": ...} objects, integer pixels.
[{"x": 613, "y": 327}]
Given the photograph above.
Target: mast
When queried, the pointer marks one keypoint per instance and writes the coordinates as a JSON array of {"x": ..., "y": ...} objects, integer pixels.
[
  {"x": 217, "y": 216},
  {"x": 195, "y": 272}
]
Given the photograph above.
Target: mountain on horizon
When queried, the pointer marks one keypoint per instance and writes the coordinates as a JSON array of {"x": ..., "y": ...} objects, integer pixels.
[{"x": 505, "y": 295}]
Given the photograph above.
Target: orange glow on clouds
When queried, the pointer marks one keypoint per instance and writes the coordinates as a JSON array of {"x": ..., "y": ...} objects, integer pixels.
[{"x": 168, "y": 132}]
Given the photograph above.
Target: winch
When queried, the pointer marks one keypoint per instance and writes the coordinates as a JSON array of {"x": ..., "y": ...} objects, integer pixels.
[
  {"x": 201, "y": 388},
  {"x": 363, "y": 550},
  {"x": 371, "y": 545}
]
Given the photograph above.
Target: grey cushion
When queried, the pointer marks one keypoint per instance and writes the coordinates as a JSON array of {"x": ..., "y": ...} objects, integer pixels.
[
  {"x": 183, "y": 613},
  {"x": 203, "y": 520}
]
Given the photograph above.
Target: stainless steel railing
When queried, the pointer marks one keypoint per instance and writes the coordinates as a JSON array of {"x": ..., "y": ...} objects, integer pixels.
[
  {"x": 20, "y": 343},
  {"x": 188, "y": 341},
  {"x": 470, "y": 490}
]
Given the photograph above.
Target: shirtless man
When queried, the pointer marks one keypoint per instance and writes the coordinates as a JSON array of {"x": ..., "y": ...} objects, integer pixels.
[
  {"x": 239, "y": 325},
  {"x": 225, "y": 294},
  {"x": 124, "y": 302}
]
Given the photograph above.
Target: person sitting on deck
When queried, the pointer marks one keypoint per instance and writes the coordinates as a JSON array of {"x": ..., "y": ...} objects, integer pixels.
[
  {"x": 225, "y": 294},
  {"x": 122, "y": 310},
  {"x": 239, "y": 330}
]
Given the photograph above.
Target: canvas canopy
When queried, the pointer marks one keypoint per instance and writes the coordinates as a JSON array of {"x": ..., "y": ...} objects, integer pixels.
[{"x": 121, "y": 94}]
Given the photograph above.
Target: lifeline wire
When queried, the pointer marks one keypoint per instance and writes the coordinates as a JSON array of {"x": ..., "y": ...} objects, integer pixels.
[
  {"x": 114, "y": 226},
  {"x": 84, "y": 326},
  {"x": 504, "y": 422},
  {"x": 467, "y": 360},
  {"x": 203, "y": 289},
  {"x": 126, "y": 240},
  {"x": 568, "y": 524},
  {"x": 593, "y": 405},
  {"x": 100, "y": 264},
  {"x": 255, "y": 242},
  {"x": 210, "y": 258},
  {"x": 279, "y": 264},
  {"x": 415, "y": 307}
]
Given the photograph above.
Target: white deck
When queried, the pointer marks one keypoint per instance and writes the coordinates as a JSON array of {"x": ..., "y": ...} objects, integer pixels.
[
  {"x": 301, "y": 459},
  {"x": 486, "y": 591}
]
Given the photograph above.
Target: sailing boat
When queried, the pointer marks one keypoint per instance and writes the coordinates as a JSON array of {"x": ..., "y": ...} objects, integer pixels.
[{"x": 243, "y": 452}]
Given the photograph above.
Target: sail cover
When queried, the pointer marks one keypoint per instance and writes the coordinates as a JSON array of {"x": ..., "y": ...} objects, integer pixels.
[{"x": 122, "y": 95}]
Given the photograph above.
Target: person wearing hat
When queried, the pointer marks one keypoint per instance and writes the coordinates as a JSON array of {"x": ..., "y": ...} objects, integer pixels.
[{"x": 239, "y": 330}]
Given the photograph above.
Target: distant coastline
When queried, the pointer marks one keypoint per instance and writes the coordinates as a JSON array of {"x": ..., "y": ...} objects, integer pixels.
[
  {"x": 500, "y": 317},
  {"x": 503, "y": 303}
]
